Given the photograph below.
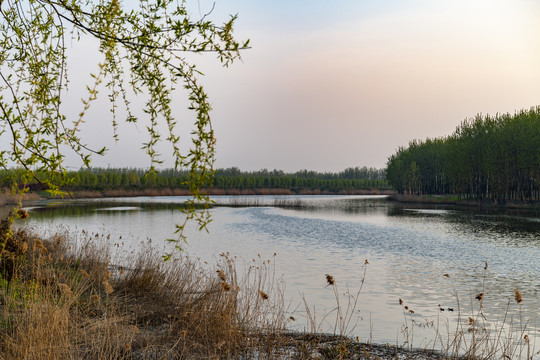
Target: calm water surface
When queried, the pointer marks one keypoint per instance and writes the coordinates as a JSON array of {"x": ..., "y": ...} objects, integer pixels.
[{"x": 409, "y": 253}]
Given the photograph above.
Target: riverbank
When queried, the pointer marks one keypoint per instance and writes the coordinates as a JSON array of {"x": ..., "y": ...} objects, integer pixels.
[
  {"x": 64, "y": 299},
  {"x": 8, "y": 198},
  {"x": 218, "y": 192},
  {"x": 453, "y": 200}
]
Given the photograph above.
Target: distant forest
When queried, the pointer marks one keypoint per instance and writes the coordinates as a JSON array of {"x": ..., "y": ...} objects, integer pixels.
[
  {"x": 487, "y": 157},
  {"x": 229, "y": 180}
]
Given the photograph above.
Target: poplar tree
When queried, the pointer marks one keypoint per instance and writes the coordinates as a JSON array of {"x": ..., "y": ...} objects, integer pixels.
[{"x": 493, "y": 158}]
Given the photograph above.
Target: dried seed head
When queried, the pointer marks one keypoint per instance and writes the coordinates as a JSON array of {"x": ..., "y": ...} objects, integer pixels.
[
  {"x": 65, "y": 290},
  {"x": 221, "y": 274},
  {"x": 108, "y": 288},
  {"x": 412, "y": 312},
  {"x": 480, "y": 297},
  {"x": 85, "y": 274},
  {"x": 517, "y": 296},
  {"x": 225, "y": 286},
  {"x": 400, "y": 302},
  {"x": 485, "y": 265},
  {"x": 38, "y": 244},
  {"x": 366, "y": 262},
  {"x": 526, "y": 338},
  {"x": 406, "y": 308},
  {"x": 263, "y": 295},
  {"x": 292, "y": 318},
  {"x": 329, "y": 279},
  {"x": 471, "y": 321},
  {"x": 446, "y": 275}
]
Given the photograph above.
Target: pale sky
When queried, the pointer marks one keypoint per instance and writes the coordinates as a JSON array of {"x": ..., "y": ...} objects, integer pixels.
[{"x": 334, "y": 84}]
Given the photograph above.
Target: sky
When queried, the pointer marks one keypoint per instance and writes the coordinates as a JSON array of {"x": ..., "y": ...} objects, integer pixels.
[{"x": 329, "y": 85}]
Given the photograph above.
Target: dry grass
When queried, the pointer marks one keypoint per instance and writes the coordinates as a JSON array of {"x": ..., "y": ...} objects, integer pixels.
[
  {"x": 477, "y": 334},
  {"x": 258, "y": 201},
  {"x": 68, "y": 302},
  {"x": 211, "y": 191},
  {"x": 8, "y": 197}
]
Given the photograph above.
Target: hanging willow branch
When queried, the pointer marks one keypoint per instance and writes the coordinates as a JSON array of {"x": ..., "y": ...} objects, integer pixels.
[{"x": 144, "y": 52}]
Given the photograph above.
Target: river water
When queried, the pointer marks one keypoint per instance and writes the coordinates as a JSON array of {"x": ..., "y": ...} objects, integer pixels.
[{"x": 436, "y": 260}]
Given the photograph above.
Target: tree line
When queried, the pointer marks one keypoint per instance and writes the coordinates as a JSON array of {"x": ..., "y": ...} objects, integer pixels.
[
  {"x": 348, "y": 180},
  {"x": 487, "y": 157},
  {"x": 100, "y": 179}
]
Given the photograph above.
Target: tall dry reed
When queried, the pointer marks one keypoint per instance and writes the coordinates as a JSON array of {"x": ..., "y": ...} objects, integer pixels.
[{"x": 68, "y": 302}]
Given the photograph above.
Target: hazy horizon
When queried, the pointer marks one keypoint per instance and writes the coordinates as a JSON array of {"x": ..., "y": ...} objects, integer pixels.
[{"x": 331, "y": 85}]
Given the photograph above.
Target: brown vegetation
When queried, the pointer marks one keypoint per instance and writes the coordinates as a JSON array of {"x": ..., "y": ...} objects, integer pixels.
[
  {"x": 7, "y": 197},
  {"x": 179, "y": 192},
  {"x": 68, "y": 302},
  {"x": 217, "y": 192}
]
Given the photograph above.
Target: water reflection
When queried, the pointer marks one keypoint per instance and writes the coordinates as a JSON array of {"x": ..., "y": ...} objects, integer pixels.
[{"x": 507, "y": 230}]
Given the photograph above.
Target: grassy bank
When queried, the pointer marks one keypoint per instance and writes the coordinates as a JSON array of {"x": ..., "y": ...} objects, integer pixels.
[
  {"x": 63, "y": 299},
  {"x": 7, "y": 197},
  {"x": 457, "y": 201},
  {"x": 212, "y": 191}
]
